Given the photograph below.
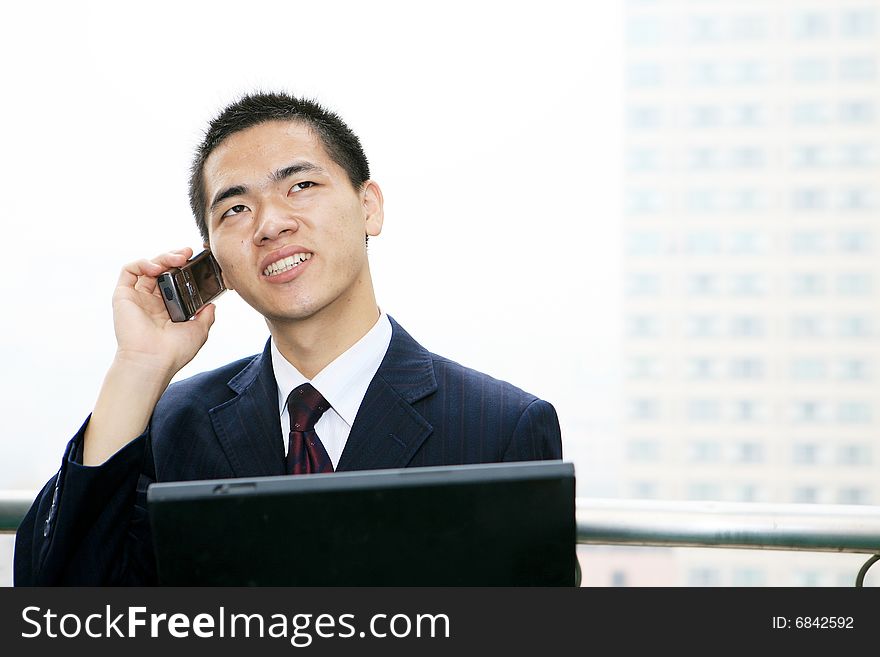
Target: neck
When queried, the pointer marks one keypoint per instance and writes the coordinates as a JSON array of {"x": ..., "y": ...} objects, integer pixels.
[{"x": 312, "y": 343}]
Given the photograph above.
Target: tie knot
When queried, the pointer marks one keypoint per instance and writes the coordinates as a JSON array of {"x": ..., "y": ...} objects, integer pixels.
[{"x": 306, "y": 406}]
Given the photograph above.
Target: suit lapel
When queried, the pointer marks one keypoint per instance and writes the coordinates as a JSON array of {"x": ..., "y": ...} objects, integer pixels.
[
  {"x": 388, "y": 431},
  {"x": 249, "y": 426}
]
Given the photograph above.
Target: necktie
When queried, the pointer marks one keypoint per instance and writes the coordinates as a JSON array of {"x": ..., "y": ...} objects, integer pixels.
[{"x": 305, "y": 453}]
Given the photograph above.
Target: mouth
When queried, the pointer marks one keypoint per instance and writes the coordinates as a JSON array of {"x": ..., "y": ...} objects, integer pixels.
[{"x": 285, "y": 264}]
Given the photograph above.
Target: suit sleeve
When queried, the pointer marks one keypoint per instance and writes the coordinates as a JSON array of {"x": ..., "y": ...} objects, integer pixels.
[
  {"x": 537, "y": 436},
  {"x": 89, "y": 525}
]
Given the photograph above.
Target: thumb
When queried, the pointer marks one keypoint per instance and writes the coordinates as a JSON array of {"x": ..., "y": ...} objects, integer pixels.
[{"x": 206, "y": 316}]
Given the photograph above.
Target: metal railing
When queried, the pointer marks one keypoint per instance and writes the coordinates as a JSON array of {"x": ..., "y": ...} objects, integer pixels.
[{"x": 807, "y": 527}]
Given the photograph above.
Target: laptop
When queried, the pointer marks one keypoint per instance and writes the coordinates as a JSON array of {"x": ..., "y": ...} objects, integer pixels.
[{"x": 500, "y": 524}]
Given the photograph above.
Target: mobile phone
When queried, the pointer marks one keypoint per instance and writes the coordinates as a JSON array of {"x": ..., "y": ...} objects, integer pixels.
[{"x": 186, "y": 290}]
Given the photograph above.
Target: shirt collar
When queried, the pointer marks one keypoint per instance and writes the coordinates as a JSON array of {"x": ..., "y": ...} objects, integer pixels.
[{"x": 343, "y": 382}]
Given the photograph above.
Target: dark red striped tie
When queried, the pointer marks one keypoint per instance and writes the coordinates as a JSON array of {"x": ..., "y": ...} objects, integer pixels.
[{"x": 305, "y": 453}]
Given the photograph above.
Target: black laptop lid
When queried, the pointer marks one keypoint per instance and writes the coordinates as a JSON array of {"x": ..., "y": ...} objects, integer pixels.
[{"x": 506, "y": 524}]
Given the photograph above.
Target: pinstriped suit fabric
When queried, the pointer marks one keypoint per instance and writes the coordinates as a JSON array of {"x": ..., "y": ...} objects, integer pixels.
[{"x": 419, "y": 410}]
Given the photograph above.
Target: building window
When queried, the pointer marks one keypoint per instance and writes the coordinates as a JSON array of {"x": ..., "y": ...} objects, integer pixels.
[
  {"x": 704, "y": 29},
  {"x": 747, "y": 493},
  {"x": 644, "y": 32},
  {"x": 812, "y": 25},
  {"x": 643, "y": 451},
  {"x": 748, "y": 115},
  {"x": 645, "y": 117},
  {"x": 810, "y": 199},
  {"x": 748, "y": 27},
  {"x": 644, "y": 409},
  {"x": 853, "y": 412},
  {"x": 749, "y": 71},
  {"x": 747, "y": 326},
  {"x": 704, "y": 116},
  {"x": 748, "y": 200},
  {"x": 855, "y": 199},
  {"x": 644, "y": 74},
  {"x": 703, "y": 410},
  {"x": 703, "y": 243},
  {"x": 853, "y": 495},
  {"x": 809, "y": 411},
  {"x": 809, "y": 369},
  {"x": 748, "y": 453},
  {"x": 702, "y": 284},
  {"x": 747, "y": 368},
  {"x": 854, "y": 369},
  {"x": 748, "y": 285},
  {"x": 855, "y": 284},
  {"x": 704, "y": 577},
  {"x": 704, "y": 451},
  {"x": 808, "y": 242},
  {"x": 704, "y": 491},
  {"x": 808, "y": 578},
  {"x": 747, "y": 243},
  {"x": 855, "y": 241},
  {"x": 702, "y": 201},
  {"x": 644, "y": 201},
  {"x": 805, "y": 495},
  {"x": 704, "y": 73},
  {"x": 858, "y": 23},
  {"x": 701, "y": 326},
  {"x": 811, "y": 69},
  {"x": 702, "y": 369},
  {"x": 808, "y": 326},
  {"x": 644, "y": 367},
  {"x": 643, "y": 159},
  {"x": 703, "y": 159},
  {"x": 805, "y": 454},
  {"x": 857, "y": 111},
  {"x": 858, "y": 69},
  {"x": 643, "y": 326},
  {"x": 808, "y": 284},
  {"x": 643, "y": 285},
  {"x": 645, "y": 243},
  {"x": 855, "y": 326},
  {"x": 748, "y": 577},
  {"x": 645, "y": 490},
  {"x": 810, "y": 156},
  {"x": 811, "y": 113},
  {"x": 856, "y": 454}
]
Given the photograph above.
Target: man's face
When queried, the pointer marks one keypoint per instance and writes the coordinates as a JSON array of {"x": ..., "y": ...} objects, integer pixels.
[{"x": 287, "y": 226}]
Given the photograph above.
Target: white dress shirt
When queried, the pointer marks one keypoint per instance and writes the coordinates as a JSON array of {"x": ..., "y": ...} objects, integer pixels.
[{"x": 343, "y": 383}]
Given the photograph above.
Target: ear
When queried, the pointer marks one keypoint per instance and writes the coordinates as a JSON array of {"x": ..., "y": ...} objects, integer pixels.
[{"x": 374, "y": 208}]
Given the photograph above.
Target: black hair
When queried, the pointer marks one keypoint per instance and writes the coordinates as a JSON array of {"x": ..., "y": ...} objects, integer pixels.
[{"x": 341, "y": 144}]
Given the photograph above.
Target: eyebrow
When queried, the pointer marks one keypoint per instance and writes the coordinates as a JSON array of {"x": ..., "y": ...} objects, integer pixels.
[{"x": 277, "y": 176}]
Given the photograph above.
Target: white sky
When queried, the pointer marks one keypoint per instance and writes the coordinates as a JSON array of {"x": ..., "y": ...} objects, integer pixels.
[{"x": 494, "y": 129}]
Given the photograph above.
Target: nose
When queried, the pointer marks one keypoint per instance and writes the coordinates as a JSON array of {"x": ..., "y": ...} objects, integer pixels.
[{"x": 274, "y": 220}]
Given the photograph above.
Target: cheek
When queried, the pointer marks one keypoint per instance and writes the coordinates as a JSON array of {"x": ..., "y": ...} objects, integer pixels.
[{"x": 229, "y": 263}]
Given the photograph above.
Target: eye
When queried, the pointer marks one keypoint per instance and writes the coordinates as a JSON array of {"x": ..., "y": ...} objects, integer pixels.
[
  {"x": 298, "y": 187},
  {"x": 235, "y": 209}
]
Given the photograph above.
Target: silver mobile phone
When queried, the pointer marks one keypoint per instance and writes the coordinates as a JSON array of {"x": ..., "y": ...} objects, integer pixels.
[{"x": 185, "y": 290}]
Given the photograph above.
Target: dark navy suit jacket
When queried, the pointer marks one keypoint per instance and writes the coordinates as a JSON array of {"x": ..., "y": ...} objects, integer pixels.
[{"x": 89, "y": 525}]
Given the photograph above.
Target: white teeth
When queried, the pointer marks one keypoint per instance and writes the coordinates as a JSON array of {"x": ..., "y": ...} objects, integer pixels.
[{"x": 285, "y": 264}]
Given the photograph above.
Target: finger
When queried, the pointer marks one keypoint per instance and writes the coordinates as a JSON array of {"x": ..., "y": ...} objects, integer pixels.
[
  {"x": 167, "y": 260},
  {"x": 186, "y": 252},
  {"x": 206, "y": 316},
  {"x": 133, "y": 271},
  {"x": 142, "y": 274}
]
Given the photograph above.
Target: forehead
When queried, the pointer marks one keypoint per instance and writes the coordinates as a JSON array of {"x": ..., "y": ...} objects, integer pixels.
[{"x": 254, "y": 153}]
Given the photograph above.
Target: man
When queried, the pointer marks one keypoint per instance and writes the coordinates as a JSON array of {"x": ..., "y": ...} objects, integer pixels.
[{"x": 282, "y": 194}]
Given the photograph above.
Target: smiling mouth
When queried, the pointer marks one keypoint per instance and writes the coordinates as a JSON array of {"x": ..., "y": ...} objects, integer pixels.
[{"x": 286, "y": 264}]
